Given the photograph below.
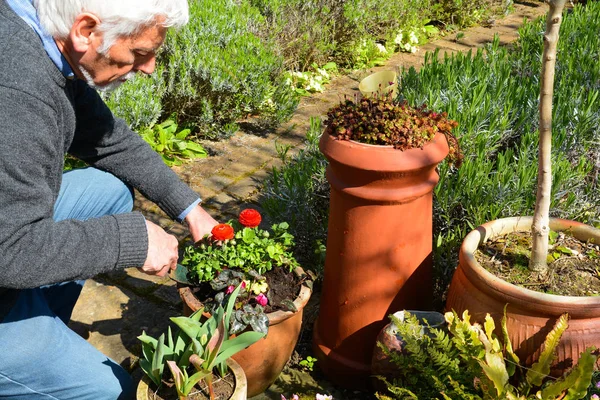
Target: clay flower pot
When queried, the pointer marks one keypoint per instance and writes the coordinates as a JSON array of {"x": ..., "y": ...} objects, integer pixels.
[
  {"x": 239, "y": 391},
  {"x": 263, "y": 361},
  {"x": 530, "y": 314},
  {"x": 379, "y": 248}
]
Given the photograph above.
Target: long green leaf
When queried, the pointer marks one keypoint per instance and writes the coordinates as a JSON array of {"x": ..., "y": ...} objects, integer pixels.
[
  {"x": 541, "y": 368},
  {"x": 191, "y": 327},
  {"x": 495, "y": 370},
  {"x": 513, "y": 359},
  {"x": 576, "y": 382},
  {"x": 157, "y": 360},
  {"x": 192, "y": 380},
  {"x": 214, "y": 345},
  {"x": 229, "y": 309},
  {"x": 237, "y": 344}
]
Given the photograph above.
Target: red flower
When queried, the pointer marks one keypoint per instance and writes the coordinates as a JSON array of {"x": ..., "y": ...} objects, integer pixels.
[
  {"x": 250, "y": 218},
  {"x": 222, "y": 232}
]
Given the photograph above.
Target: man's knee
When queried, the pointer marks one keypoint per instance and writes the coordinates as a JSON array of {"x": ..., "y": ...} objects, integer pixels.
[
  {"x": 107, "y": 381},
  {"x": 89, "y": 193}
]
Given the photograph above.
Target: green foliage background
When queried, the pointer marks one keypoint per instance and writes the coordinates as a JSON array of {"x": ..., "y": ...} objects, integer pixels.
[
  {"x": 493, "y": 94},
  {"x": 230, "y": 61}
]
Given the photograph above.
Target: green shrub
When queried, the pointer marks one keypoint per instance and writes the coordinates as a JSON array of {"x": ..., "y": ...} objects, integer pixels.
[
  {"x": 139, "y": 101},
  {"x": 172, "y": 143},
  {"x": 218, "y": 71},
  {"x": 361, "y": 33},
  {"x": 298, "y": 193},
  {"x": 459, "y": 14}
]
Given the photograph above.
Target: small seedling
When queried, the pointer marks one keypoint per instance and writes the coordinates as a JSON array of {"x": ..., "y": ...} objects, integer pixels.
[{"x": 308, "y": 363}]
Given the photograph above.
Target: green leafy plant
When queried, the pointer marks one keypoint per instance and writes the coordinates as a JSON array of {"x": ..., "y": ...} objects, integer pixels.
[
  {"x": 381, "y": 121},
  {"x": 308, "y": 363},
  {"x": 173, "y": 146},
  {"x": 470, "y": 362},
  {"x": 241, "y": 253},
  {"x": 297, "y": 192},
  {"x": 313, "y": 81},
  {"x": 202, "y": 347}
]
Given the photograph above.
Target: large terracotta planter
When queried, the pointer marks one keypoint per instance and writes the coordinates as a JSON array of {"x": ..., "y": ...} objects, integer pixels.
[
  {"x": 379, "y": 248},
  {"x": 530, "y": 314},
  {"x": 240, "y": 390},
  {"x": 264, "y": 360}
]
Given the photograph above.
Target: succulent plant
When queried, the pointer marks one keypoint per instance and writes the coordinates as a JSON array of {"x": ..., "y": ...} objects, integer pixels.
[{"x": 381, "y": 121}]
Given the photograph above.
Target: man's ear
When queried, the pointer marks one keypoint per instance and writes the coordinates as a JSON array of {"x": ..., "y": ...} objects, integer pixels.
[{"x": 84, "y": 31}]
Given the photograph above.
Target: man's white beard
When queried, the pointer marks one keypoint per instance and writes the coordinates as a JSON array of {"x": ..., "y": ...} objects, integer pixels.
[{"x": 106, "y": 88}]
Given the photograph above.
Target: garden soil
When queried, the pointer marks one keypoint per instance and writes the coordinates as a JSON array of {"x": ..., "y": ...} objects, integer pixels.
[
  {"x": 222, "y": 389},
  {"x": 573, "y": 265},
  {"x": 114, "y": 308}
]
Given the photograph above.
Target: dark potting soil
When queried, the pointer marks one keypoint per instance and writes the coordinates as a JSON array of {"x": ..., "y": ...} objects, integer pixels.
[
  {"x": 574, "y": 266},
  {"x": 282, "y": 285},
  {"x": 222, "y": 387}
]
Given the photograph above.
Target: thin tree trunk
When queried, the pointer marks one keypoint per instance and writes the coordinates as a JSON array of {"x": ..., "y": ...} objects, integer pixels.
[{"x": 540, "y": 228}]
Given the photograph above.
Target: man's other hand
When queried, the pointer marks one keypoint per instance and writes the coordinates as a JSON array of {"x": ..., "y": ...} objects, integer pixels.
[
  {"x": 200, "y": 223},
  {"x": 162, "y": 251}
]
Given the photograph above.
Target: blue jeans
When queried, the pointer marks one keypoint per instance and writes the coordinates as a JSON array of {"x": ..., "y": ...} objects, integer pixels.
[{"x": 40, "y": 357}]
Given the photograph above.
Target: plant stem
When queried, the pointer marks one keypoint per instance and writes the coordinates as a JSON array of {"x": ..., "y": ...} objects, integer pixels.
[
  {"x": 211, "y": 390},
  {"x": 540, "y": 227}
]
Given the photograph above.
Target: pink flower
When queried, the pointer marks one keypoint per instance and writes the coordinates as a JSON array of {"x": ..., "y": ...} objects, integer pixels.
[
  {"x": 230, "y": 289},
  {"x": 243, "y": 284},
  {"x": 598, "y": 385},
  {"x": 262, "y": 299},
  {"x": 595, "y": 397}
]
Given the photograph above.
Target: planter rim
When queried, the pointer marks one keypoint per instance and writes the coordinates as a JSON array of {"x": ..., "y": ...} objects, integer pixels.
[
  {"x": 239, "y": 390},
  {"x": 274, "y": 317},
  {"x": 507, "y": 292},
  {"x": 371, "y": 157}
]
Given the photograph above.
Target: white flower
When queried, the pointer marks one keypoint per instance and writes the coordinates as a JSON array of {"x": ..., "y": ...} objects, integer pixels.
[
  {"x": 398, "y": 39},
  {"x": 323, "y": 397},
  {"x": 412, "y": 38},
  {"x": 381, "y": 48},
  {"x": 323, "y": 73}
]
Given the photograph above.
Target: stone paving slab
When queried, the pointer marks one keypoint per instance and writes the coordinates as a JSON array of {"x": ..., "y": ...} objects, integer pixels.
[{"x": 115, "y": 308}]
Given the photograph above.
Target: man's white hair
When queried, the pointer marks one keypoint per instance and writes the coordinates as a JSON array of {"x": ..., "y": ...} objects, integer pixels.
[{"x": 118, "y": 18}]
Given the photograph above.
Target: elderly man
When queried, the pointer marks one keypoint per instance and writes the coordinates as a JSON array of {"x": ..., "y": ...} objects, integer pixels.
[{"x": 57, "y": 230}]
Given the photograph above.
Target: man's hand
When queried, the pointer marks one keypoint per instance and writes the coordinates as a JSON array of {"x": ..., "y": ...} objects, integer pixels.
[
  {"x": 162, "y": 251},
  {"x": 200, "y": 223}
]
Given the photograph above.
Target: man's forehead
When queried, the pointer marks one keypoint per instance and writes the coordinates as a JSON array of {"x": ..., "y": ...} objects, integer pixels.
[{"x": 148, "y": 39}]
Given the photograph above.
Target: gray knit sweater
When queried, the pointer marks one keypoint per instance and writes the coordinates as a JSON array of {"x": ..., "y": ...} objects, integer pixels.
[{"x": 43, "y": 116}]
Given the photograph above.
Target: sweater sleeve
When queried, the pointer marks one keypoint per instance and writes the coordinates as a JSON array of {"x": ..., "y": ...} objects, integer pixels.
[
  {"x": 107, "y": 143},
  {"x": 35, "y": 249}
]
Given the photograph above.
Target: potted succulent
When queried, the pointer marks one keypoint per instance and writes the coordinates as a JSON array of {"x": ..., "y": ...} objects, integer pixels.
[
  {"x": 531, "y": 313},
  {"x": 274, "y": 289},
  {"x": 383, "y": 158},
  {"x": 467, "y": 360},
  {"x": 194, "y": 355}
]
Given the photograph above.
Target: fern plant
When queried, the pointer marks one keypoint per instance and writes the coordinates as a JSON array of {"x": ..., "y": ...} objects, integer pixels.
[{"x": 470, "y": 362}]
